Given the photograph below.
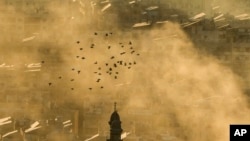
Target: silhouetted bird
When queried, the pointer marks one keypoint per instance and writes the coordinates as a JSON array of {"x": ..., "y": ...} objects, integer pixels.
[
  {"x": 77, "y": 56},
  {"x": 110, "y": 69},
  {"x": 101, "y": 87},
  {"x": 138, "y": 54},
  {"x": 120, "y": 62},
  {"x": 134, "y": 62},
  {"x": 50, "y": 84},
  {"x": 107, "y": 34},
  {"x": 125, "y": 64},
  {"x": 60, "y": 77},
  {"x": 81, "y": 48},
  {"x": 78, "y": 42},
  {"x": 42, "y": 62},
  {"x": 90, "y": 88},
  {"x": 79, "y": 72},
  {"x": 117, "y": 72},
  {"x": 131, "y": 47},
  {"x": 122, "y": 46},
  {"x": 109, "y": 47},
  {"x": 115, "y": 77},
  {"x": 115, "y": 65},
  {"x": 130, "y": 42},
  {"x": 132, "y": 52},
  {"x": 95, "y": 62},
  {"x": 98, "y": 80},
  {"x": 129, "y": 67},
  {"x": 95, "y": 72},
  {"x": 72, "y": 69},
  {"x": 95, "y": 33},
  {"x": 99, "y": 68},
  {"x": 99, "y": 74},
  {"x": 83, "y": 58},
  {"x": 112, "y": 57},
  {"x": 107, "y": 64},
  {"x": 72, "y": 89},
  {"x": 122, "y": 53},
  {"x": 130, "y": 63},
  {"x": 71, "y": 79},
  {"x": 110, "y": 33}
]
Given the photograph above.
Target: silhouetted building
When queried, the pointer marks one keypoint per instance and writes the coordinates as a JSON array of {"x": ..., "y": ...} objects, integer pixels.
[{"x": 115, "y": 126}]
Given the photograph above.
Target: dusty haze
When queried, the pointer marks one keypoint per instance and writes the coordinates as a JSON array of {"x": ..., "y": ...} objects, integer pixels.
[{"x": 171, "y": 77}]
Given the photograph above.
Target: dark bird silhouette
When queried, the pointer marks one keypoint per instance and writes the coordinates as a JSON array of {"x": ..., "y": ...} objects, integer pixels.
[
  {"x": 131, "y": 47},
  {"x": 95, "y": 72},
  {"x": 134, "y": 62},
  {"x": 110, "y": 33},
  {"x": 42, "y": 62},
  {"x": 115, "y": 65},
  {"x": 110, "y": 73},
  {"x": 50, "y": 84},
  {"x": 78, "y": 42},
  {"x": 120, "y": 62},
  {"x": 109, "y": 47},
  {"x": 110, "y": 69},
  {"x": 107, "y": 64},
  {"x": 72, "y": 89},
  {"x": 122, "y": 46},
  {"x": 99, "y": 68},
  {"x": 90, "y": 88},
  {"x": 112, "y": 57},
  {"x": 125, "y": 64},
  {"x": 95, "y": 33},
  {"x": 132, "y": 52},
  {"x": 83, "y": 58},
  {"x": 92, "y": 45},
  {"x": 95, "y": 62},
  {"x": 101, "y": 87},
  {"x": 117, "y": 72},
  {"x": 72, "y": 69},
  {"x": 130, "y": 43},
  {"x": 122, "y": 53},
  {"x": 99, "y": 74},
  {"x": 98, "y": 80},
  {"x": 115, "y": 77},
  {"x": 138, "y": 54},
  {"x": 107, "y": 34},
  {"x": 71, "y": 79},
  {"x": 81, "y": 48},
  {"x": 60, "y": 77},
  {"x": 130, "y": 63},
  {"x": 79, "y": 72},
  {"x": 77, "y": 56},
  {"x": 129, "y": 67}
]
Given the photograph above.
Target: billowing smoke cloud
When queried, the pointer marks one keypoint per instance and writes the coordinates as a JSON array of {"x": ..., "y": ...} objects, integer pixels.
[{"x": 192, "y": 96}]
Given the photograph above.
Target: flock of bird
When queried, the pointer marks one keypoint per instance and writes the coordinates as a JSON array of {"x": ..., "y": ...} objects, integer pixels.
[{"x": 115, "y": 63}]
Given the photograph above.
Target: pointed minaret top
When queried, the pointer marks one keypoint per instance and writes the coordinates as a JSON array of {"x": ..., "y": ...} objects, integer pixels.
[{"x": 115, "y": 106}]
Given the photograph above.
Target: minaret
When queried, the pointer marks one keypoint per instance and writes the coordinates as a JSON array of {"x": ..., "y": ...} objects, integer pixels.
[{"x": 115, "y": 126}]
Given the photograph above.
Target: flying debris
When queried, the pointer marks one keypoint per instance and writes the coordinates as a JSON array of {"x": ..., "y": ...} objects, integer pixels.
[
  {"x": 29, "y": 38},
  {"x": 106, "y": 7},
  {"x": 198, "y": 16}
]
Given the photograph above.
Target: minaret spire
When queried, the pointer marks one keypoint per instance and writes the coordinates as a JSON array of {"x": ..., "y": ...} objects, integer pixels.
[{"x": 115, "y": 106}]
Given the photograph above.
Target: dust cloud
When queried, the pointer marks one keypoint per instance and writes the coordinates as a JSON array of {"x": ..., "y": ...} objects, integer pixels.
[{"x": 190, "y": 95}]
